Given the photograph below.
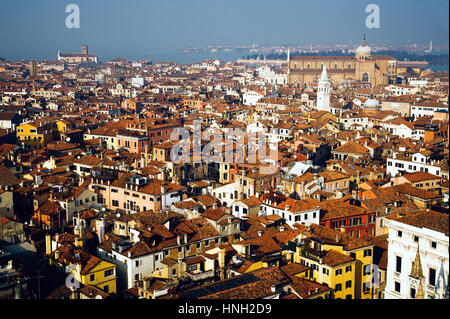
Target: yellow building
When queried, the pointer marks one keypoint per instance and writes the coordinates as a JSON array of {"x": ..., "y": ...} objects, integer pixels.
[
  {"x": 63, "y": 126},
  {"x": 329, "y": 267},
  {"x": 85, "y": 268},
  {"x": 35, "y": 134},
  {"x": 337, "y": 258},
  {"x": 197, "y": 268},
  {"x": 319, "y": 116}
]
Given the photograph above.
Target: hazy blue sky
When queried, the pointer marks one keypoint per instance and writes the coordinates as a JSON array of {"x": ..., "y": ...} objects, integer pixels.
[{"x": 37, "y": 27}]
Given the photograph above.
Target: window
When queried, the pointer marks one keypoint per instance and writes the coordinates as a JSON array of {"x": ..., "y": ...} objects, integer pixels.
[
  {"x": 397, "y": 286},
  {"x": 338, "y": 272},
  {"x": 367, "y": 252},
  {"x": 416, "y": 239},
  {"x": 348, "y": 268},
  {"x": 92, "y": 277},
  {"x": 109, "y": 272},
  {"x": 338, "y": 287},
  {"x": 325, "y": 271},
  {"x": 432, "y": 276},
  {"x": 367, "y": 270},
  {"x": 348, "y": 284},
  {"x": 191, "y": 268},
  {"x": 433, "y": 244},
  {"x": 136, "y": 263},
  {"x": 412, "y": 293},
  {"x": 398, "y": 266},
  {"x": 399, "y": 233}
]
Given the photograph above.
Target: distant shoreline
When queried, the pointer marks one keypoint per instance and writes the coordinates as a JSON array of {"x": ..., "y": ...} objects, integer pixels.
[{"x": 196, "y": 57}]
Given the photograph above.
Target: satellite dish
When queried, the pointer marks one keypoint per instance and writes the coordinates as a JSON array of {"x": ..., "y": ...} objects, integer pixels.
[
  {"x": 118, "y": 215},
  {"x": 68, "y": 139},
  {"x": 98, "y": 297}
]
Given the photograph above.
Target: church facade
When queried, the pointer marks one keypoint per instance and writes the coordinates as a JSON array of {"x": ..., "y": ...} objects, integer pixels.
[{"x": 364, "y": 67}]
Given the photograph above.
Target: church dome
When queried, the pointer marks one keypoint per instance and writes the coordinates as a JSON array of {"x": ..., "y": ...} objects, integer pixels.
[
  {"x": 372, "y": 104},
  {"x": 364, "y": 50}
]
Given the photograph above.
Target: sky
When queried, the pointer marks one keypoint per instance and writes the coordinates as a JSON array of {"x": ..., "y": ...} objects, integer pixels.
[{"x": 36, "y": 28}]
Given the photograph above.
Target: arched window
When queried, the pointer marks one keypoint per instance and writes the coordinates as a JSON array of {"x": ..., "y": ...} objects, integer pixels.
[{"x": 365, "y": 77}]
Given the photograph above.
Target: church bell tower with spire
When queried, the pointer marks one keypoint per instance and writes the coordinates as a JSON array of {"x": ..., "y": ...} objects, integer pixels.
[{"x": 324, "y": 92}]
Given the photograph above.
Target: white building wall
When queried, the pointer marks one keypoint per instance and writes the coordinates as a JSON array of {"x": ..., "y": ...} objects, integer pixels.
[{"x": 406, "y": 248}]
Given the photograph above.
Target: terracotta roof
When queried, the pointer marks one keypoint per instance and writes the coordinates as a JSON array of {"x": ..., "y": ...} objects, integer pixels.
[
  {"x": 293, "y": 269},
  {"x": 352, "y": 148},
  {"x": 337, "y": 208},
  {"x": 7, "y": 178},
  {"x": 419, "y": 176},
  {"x": 431, "y": 220},
  {"x": 299, "y": 205},
  {"x": 306, "y": 289},
  {"x": 335, "y": 237},
  {"x": 93, "y": 292},
  {"x": 334, "y": 258}
]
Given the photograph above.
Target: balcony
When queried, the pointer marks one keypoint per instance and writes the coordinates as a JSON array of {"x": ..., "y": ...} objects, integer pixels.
[
  {"x": 198, "y": 275},
  {"x": 313, "y": 254}
]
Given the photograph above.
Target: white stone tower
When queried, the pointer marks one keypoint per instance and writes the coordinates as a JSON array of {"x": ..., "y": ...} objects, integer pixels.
[{"x": 324, "y": 92}]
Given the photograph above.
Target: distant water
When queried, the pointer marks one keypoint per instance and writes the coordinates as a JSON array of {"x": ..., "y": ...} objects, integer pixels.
[
  {"x": 185, "y": 57},
  {"x": 439, "y": 67},
  {"x": 174, "y": 56}
]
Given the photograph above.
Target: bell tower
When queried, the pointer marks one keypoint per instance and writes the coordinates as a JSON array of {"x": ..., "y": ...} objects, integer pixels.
[{"x": 324, "y": 92}]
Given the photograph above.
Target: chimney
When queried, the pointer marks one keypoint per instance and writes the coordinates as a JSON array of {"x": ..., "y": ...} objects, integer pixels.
[
  {"x": 78, "y": 242},
  {"x": 185, "y": 238},
  {"x": 48, "y": 244},
  {"x": 178, "y": 240},
  {"x": 146, "y": 284},
  {"x": 221, "y": 258}
]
